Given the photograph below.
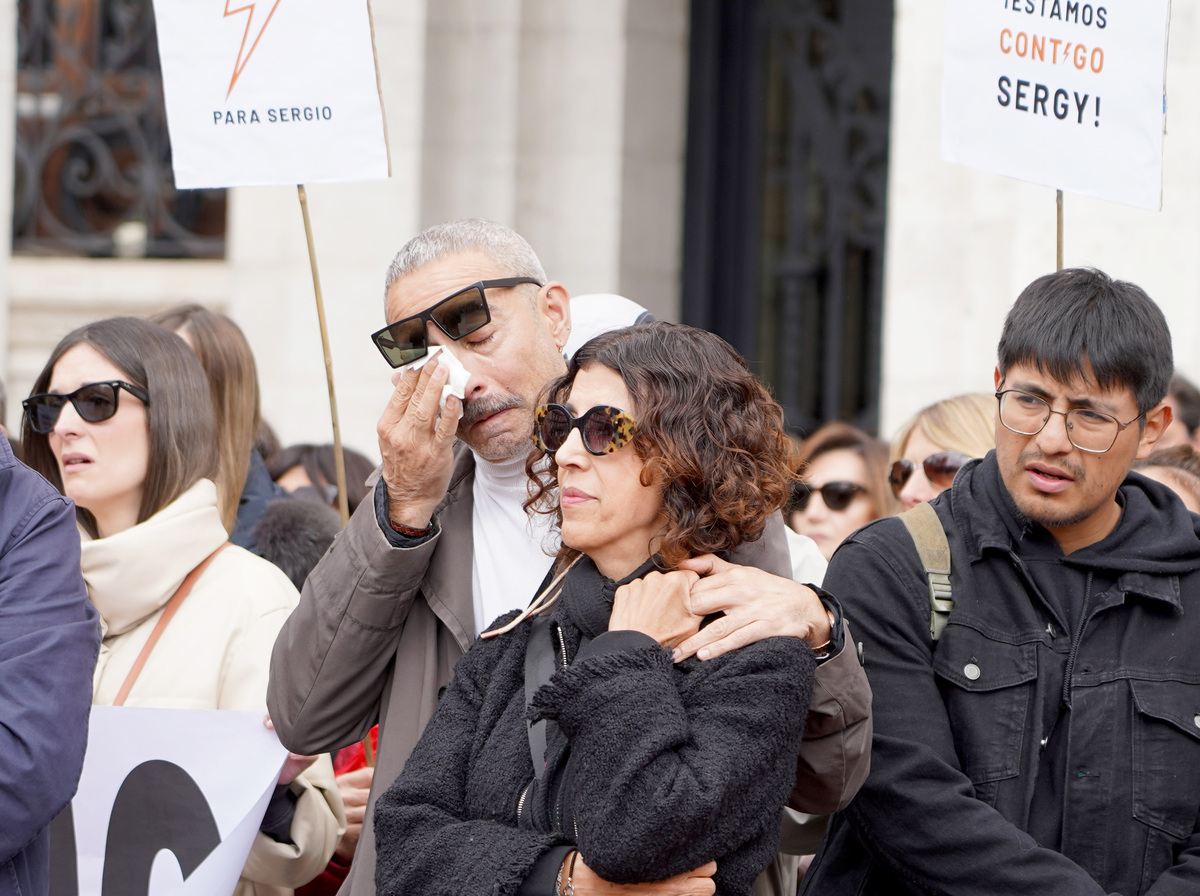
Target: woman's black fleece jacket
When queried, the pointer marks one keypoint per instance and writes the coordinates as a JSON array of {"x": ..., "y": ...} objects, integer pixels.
[{"x": 653, "y": 768}]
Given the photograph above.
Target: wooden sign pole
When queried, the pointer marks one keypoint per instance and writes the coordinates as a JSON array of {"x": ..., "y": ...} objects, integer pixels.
[
  {"x": 1060, "y": 231},
  {"x": 338, "y": 460}
]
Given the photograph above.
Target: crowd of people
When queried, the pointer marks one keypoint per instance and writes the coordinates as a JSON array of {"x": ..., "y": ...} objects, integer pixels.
[{"x": 599, "y": 624}]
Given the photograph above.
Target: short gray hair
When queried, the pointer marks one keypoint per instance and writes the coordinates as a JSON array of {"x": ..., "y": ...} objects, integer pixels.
[{"x": 502, "y": 244}]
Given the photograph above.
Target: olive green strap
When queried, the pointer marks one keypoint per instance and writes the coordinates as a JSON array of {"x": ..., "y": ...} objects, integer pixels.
[{"x": 934, "y": 550}]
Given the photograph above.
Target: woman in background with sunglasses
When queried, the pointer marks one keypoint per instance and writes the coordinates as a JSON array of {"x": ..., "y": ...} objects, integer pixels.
[
  {"x": 120, "y": 421},
  {"x": 657, "y": 445},
  {"x": 842, "y": 485},
  {"x": 932, "y": 447}
]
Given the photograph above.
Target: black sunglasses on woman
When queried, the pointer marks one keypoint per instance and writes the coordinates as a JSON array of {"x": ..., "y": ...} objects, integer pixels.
[{"x": 93, "y": 402}]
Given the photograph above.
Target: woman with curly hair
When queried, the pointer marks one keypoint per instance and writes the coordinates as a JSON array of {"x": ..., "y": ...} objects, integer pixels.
[{"x": 651, "y": 776}]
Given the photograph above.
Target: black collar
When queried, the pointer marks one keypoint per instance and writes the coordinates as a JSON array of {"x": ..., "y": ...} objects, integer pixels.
[{"x": 587, "y": 597}]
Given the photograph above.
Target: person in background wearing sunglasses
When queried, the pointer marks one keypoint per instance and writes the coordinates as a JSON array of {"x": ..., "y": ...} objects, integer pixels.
[
  {"x": 934, "y": 444},
  {"x": 841, "y": 485},
  {"x": 445, "y": 546},
  {"x": 657, "y": 446},
  {"x": 1048, "y": 740},
  {"x": 49, "y": 640},
  {"x": 121, "y": 421}
]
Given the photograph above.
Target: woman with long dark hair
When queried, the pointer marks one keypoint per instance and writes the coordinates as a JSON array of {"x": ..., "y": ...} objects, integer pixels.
[{"x": 120, "y": 421}]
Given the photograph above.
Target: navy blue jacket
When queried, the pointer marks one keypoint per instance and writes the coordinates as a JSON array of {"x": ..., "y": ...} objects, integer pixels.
[
  {"x": 49, "y": 640},
  {"x": 1048, "y": 743},
  {"x": 259, "y": 491}
]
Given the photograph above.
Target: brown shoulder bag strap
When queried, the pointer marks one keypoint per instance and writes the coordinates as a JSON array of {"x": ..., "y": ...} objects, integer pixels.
[{"x": 168, "y": 611}]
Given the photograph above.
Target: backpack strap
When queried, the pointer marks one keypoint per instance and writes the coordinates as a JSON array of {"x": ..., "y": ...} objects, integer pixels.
[
  {"x": 539, "y": 669},
  {"x": 934, "y": 550}
]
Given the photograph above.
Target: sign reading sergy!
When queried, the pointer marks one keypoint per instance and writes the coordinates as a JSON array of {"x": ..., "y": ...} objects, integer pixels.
[
  {"x": 1066, "y": 94},
  {"x": 270, "y": 92},
  {"x": 169, "y": 802}
]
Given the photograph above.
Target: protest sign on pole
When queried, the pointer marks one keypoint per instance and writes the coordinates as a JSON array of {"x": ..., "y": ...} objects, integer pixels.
[
  {"x": 270, "y": 92},
  {"x": 1066, "y": 94},
  {"x": 169, "y": 802},
  {"x": 262, "y": 92}
]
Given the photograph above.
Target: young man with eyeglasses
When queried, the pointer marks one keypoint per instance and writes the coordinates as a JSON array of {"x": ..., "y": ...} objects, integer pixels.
[
  {"x": 1049, "y": 740},
  {"x": 447, "y": 547}
]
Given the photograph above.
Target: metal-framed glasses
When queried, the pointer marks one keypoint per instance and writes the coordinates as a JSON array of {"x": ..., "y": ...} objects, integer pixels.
[
  {"x": 94, "y": 402},
  {"x": 1091, "y": 431},
  {"x": 457, "y": 315},
  {"x": 603, "y": 429}
]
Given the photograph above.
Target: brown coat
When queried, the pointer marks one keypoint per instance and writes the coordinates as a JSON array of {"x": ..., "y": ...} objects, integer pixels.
[{"x": 379, "y": 629}]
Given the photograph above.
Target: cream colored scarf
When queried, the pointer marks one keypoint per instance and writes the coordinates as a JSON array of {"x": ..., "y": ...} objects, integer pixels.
[{"x": 131, "y": 575}]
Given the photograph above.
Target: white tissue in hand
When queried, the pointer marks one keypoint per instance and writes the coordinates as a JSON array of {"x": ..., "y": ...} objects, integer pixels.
[{"x": 457, "y": 386}]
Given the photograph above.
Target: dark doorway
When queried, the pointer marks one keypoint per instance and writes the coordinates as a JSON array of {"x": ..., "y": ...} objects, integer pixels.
[{"x": 785, "y": 197}]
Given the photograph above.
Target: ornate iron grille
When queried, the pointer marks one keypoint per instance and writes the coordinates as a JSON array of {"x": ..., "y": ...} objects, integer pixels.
[
  {"x": 787, "y": 181},
  {"x": 93, "y": 164}
]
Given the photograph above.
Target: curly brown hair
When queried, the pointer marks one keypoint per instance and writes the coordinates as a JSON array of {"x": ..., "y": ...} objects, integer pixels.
[{"x": 707, "y": 429}]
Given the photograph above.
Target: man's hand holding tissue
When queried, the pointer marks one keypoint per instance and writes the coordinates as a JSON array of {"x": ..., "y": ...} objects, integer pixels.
[{"x": 416, "y": 435}]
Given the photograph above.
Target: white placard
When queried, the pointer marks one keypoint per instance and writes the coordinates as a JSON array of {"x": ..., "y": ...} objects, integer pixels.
[
  {"x": 270, "y": 92},
  {"x": 169, "y": 801},
  {"x": 1061, "y": 93}
]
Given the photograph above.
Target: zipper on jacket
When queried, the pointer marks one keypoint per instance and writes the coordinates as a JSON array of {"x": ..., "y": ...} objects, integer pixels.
[
  {"x": 562, "y": 644},
  {"x": 521, "y": 801},
  {"x": 557, "y": 808}
]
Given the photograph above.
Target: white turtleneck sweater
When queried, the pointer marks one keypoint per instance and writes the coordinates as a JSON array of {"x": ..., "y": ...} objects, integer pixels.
[{"x": 512, "y": 560}]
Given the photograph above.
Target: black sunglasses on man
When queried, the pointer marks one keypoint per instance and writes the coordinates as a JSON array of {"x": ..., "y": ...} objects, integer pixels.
[{"x": 457, "y": 315}]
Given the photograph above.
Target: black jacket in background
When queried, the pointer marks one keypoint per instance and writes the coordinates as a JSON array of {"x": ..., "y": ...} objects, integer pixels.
[
  {"x": 259, "y": 491},
  {"x": 670, "y": 766},
  {"x": 965, "y": 739}
]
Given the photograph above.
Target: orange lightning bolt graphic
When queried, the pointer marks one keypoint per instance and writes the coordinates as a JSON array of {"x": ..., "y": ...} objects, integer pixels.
[{"x": 243, "y": 57}]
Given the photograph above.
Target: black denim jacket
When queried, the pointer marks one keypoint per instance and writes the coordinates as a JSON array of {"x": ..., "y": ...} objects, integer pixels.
[{"x": 961, "y": 729}]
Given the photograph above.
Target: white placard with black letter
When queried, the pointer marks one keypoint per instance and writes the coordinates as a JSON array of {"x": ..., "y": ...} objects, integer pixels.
[
  {"x": 169, "y": 802},
  {"x": 266, "y": 92},
  {"x": 1061, "y": 93}
]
